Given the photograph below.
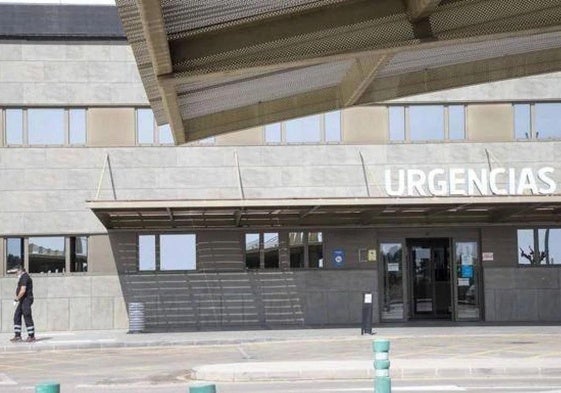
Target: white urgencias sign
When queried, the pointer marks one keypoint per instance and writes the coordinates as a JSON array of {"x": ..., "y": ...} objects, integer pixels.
[{"x": 460, "y": 181}]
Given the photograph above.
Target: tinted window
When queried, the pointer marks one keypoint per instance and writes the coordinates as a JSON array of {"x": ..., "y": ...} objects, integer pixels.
[
  {"x": 271, "y": 250},
  {"x": 456, "y": 122},
  {"x": 14, "y": 126},
  {"x": 79, "y": 254},
  {"x": 147, "y": 252},
  {"x": 397, "y": 123},
  {"x": 273, "y": 133},
  {"x": 145, "y": 126},
  {"x": 548, "y": 121},
  {"x": 252, "y": 259},
  {"x": 304, "y": 130},
  {"x": 178, "y": 252},
  {"x": 165, "y": 134},
  {"x": 426, "y": 122},
  {"x": 46, "y": 254},
  {"x": 77, "y": 126},
  {"x": 550, "y": 246},
  {"x": 522, "y": 120},
  {"x": 296, "y": 245},
  {"x": 333, "y": 126},
  {"x": 526, "y": 248},
  {"x": 14, "y": 253},
  {"x": 46, "y": 126}
]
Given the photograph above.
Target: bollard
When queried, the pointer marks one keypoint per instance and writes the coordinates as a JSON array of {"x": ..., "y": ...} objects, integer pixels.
[
  {"x": 47, "y": 387},
  {"x": 382, "y": 382},
  {"x": 202, "y": 388}
]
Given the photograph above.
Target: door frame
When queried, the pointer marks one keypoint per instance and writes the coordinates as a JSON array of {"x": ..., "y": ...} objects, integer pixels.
[{"x": 430, "y": 241}]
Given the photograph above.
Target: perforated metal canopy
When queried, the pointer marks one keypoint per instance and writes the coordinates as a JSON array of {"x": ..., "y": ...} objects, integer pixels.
[
  {"x": 371, "y": 212},
  {"x": 215, "y": 66}
]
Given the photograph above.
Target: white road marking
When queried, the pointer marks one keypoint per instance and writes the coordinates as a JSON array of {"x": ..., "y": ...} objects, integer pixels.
[
  {"x": 5, "y": 380},
  {"x": 437, "y": 388},
  {"x": 244, "y": 353}
]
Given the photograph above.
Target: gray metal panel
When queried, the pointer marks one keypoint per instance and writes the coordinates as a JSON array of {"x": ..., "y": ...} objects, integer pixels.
[{"x": 60, "y": 21}]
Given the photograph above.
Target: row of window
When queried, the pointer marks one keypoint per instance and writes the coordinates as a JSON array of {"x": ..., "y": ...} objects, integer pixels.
[
  {"x": 44, "y": 126},
  {"x": 60, "y": 126},
  {"x": 47, "y": 254},
  {"x": 262, "y": 250},
  {"x": 169, "y": 252}
]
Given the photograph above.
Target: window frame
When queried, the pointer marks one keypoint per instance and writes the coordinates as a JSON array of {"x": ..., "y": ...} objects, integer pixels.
[
  {"x": 536, "y": 242},
  {"x": 157, "y": 253},
  {"x": 322, "y": 131}
]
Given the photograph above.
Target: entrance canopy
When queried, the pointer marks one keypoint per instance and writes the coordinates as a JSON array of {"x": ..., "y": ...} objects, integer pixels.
[
  {"x": 379, "y": 212},
  {"x": 216, "y": 66}
]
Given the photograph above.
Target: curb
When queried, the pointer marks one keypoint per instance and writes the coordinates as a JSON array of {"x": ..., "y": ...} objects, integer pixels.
[
  {"x": 353, "y": 370},
  {"x": 112, "y": 343}
]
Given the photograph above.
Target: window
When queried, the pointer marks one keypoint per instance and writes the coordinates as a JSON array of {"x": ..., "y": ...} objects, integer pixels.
[
  {"x": 46, "y": 126},
  {"x": 167, "y": 252},
  {"x": 456, "y": 122},
  {"x": 397, "y": 123},
  {"x": 296, "y": 245},
  {"x": 391, "y": 255},
  {"x": 271, "y": 250},
  {"x": 262, "y": 250},
  {"x": 77, "y": 126},
  {"x": 79, "y": 254},
  {"x": 252, "y": 259},
  {"x": 522, "y": 119},
  {"x": 147, "y": 252},
  {"x": 14, "y": 126},
  {"x": 145, "y": 126},
  {"x": 548, "y": 120},
  {"x": 303, "y": 130},
  {"x": 178, "y": 252},
  {"x": 14, "y": 253},
  {"x": 47, "y": 254},
  {"x": 539, "y": 246},
  {"x": 315, "y": 249},
  {"x": 333, "y": 126},
  {"x": 426, "y": 122},
  {"x": 306, "y": 249},
  {"x": 273, "y": 133}
]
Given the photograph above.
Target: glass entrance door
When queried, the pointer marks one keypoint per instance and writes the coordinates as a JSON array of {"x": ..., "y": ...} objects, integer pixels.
[
  {"x": 392, "y": 283},
  {"x": 466, "y": 282},
  {"x": 430, "y": 278}
]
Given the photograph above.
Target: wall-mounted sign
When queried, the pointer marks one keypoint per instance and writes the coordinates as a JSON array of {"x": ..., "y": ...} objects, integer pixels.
[
  {"x": 467, "y": 271},
  {"x": 393, "y": 267},
  {"x": 338, "y": 258},
  {"x": 371, "y": 255},
  {"x": 367, "y": 298},
  {"x": 488, "y": 256},
  {"x": 461, "y": 181},
  {"x": 463, "y": 282}
]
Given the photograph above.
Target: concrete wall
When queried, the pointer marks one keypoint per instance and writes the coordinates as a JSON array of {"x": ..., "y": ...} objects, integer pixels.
[
  {"x": 526, "y": 294},
  {"x": 538, "y": 87},
  {"x": 43, "y": 190},
  {"x": 45, "y": 73},
  {"x": 249, "y": 137},
  {"x": 69, "y": 303}
]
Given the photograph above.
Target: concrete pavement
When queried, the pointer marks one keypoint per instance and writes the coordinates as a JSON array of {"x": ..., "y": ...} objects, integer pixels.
[{"x": 417, "y": 352}]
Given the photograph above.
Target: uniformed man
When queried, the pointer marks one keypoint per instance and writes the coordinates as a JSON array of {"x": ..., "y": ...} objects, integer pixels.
[{"x": 23, "y": 302}]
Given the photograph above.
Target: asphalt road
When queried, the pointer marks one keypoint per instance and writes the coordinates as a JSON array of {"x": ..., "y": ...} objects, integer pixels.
[{"x": 165, "y": 369}]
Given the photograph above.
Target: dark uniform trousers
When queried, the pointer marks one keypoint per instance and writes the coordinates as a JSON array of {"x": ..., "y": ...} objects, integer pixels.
[{"x": 24, "y": 309}]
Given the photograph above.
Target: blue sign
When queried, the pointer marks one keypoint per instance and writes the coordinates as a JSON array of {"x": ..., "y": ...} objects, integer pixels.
[
  {"x": 338, "y": 258},
  {"x": 467, "y": 271}
]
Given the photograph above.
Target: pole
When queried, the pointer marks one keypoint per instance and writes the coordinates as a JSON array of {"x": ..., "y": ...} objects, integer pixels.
[{"x": 382, "y": 382}]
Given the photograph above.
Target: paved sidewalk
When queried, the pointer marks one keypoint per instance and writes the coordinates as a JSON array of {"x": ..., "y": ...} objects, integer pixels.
[{"x": 416, "y": 352}]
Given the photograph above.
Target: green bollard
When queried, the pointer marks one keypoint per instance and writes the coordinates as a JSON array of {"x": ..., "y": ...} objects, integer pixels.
[
  {"x": 202, "y": 388},
  {"x": 382, "y": 382},
  {"x": 47, "y": 387}
]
